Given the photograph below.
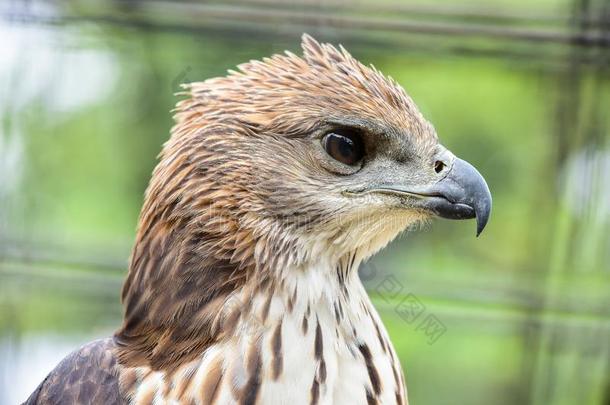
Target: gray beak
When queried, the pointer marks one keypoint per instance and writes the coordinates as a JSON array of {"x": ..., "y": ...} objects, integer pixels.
[{"x": 461, "y": 194}]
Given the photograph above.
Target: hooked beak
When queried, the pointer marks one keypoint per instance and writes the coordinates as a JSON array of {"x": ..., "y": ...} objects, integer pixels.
[{"x": 461, "y": 194}]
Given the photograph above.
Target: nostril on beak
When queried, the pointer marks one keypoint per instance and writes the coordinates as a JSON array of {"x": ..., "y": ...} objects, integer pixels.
[{"x": 439, "y": 165}]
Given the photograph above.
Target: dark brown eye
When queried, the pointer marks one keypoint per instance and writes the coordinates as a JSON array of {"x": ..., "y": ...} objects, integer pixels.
[{"x": 344, "y": 146}]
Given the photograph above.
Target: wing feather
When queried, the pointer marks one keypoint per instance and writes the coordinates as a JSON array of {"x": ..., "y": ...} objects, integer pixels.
[{"x": 88, "y": 375}]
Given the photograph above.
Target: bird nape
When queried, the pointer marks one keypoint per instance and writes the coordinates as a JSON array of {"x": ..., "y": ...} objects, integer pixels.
[{"x": 277, "y": 182}]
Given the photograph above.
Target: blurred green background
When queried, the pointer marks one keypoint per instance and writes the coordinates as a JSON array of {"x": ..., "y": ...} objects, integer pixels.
[{"x": 521, "y": 89}]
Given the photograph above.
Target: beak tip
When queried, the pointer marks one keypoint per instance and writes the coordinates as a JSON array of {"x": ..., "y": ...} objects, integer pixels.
[
  {"x": 479, "y": 229},
  {"x": 482, "y": 214}
]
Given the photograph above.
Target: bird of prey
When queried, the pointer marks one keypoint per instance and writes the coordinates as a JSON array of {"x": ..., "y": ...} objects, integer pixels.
[{"x": 278, "y": 180}]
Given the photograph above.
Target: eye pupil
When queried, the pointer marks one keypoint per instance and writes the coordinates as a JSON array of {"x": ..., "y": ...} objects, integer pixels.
[{"x": 344, "y": 147}]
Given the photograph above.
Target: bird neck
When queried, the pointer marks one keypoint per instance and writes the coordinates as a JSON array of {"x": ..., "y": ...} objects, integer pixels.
[
  {"x": 313, "y": 327},
  {"x": 311, "y": 290},
  {"x": 306, "y": 333}
]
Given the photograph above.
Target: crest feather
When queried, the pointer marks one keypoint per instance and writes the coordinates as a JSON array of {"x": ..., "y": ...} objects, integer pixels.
[{"x": 324, "y": 54}]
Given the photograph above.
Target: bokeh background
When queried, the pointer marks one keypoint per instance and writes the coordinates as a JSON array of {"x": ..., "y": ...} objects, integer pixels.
[{"x": 519, "y": 88}]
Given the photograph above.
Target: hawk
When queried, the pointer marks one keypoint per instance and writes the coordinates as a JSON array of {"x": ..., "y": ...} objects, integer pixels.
[{"x": 278, "y": 180}]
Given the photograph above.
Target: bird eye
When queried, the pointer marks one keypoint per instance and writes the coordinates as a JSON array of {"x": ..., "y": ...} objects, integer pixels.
[{"x": 344, "y": 146}]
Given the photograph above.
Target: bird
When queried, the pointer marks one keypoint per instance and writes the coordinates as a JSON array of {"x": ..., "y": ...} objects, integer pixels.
[{"x": 278, "y": 180}]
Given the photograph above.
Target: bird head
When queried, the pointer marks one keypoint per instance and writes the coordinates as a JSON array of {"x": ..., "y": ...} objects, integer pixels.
[
  {"x": 287, "y": 160},
  {"x": 321, "y": 154}
]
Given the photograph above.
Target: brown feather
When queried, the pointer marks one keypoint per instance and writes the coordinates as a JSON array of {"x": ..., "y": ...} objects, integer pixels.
[{"x": 219, "y": 212}]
